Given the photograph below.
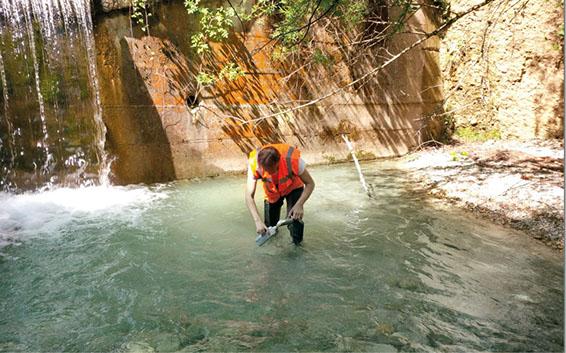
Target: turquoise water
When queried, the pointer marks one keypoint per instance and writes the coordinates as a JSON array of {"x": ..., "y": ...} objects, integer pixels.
[{"x": 175, "y": 268}]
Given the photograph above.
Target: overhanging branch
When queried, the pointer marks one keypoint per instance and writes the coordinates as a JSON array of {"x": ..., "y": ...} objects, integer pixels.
[{"x": 371, "y": 73}]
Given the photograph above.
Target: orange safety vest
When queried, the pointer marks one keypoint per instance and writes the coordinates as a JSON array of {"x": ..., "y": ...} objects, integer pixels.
[{"x": 287, "y": 177}]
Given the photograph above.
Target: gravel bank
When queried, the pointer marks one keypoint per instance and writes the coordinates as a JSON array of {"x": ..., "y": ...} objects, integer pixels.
[{"x": 517, "y": 183}]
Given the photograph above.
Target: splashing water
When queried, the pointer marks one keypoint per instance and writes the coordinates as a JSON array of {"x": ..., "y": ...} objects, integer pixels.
[{"x": 30, "y": 215}]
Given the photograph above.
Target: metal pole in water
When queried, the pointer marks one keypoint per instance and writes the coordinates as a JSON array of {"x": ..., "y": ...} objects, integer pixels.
[{"x": 362, "y": 179}]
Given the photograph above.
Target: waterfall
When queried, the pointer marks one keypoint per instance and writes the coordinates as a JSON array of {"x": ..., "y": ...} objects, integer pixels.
[
  {"x": 51, "y": 127},
  {"x": 10, "y": 138},
  {"x": 43, "y": 144}
]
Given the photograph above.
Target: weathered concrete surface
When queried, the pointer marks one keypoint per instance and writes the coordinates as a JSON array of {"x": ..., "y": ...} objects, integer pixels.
[
  {"x": 156, "y": 136},
  {"x": 503, "y": 68}
]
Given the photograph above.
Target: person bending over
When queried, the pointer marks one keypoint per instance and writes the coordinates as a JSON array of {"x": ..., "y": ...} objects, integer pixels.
[{"x": 285, "y": 177}]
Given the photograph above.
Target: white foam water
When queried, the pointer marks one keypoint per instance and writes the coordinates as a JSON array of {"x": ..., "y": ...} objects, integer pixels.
[{"x": 28, "y": 215}]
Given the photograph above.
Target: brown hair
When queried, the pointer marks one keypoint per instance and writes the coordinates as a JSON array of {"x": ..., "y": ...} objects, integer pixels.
[{"x": 268, "y": 157}]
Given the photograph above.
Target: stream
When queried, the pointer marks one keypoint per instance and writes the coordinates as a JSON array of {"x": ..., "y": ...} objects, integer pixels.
[{"x": 174, "y": 267}]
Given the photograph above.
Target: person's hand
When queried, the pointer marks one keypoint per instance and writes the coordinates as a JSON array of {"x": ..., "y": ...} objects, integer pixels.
[
  {"x": 296, "y": 212},
  {"x": 260, "y": 227}
]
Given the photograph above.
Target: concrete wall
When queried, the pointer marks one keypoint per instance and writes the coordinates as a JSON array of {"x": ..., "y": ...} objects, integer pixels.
[{"x": 156, "y": 136}]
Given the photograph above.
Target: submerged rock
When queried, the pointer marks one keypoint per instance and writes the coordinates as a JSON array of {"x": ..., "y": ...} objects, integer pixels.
[
  {"x": 349, "y": 344},
  {"x": 136, "y": 347}
]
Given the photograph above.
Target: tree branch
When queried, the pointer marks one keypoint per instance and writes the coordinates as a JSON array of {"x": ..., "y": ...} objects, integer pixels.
[
  {"x": 308, "y": 25},
  {"x": 443, "y": 27}
]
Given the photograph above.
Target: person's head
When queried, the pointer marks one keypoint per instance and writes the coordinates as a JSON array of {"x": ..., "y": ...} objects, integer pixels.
[{"x": 268, "y": 159}]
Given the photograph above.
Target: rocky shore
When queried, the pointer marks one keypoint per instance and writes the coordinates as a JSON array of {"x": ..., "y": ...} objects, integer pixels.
[{"x": 516, "y": 183}]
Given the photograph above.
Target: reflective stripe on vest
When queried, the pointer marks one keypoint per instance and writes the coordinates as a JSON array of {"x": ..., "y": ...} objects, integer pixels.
[{"x": 289, "y": 166}]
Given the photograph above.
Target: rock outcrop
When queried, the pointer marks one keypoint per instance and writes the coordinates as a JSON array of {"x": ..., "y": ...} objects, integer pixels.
[
  {"x": 111, "y": 5},
  {"x": 503, "y": 68}
]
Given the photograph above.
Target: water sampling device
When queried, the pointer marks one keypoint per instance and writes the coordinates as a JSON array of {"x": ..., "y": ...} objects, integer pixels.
[{"x": 271, "y": 231}]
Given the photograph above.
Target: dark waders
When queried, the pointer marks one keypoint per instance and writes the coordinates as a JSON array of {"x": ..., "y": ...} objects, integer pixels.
[{"x": 272, "y": 212}]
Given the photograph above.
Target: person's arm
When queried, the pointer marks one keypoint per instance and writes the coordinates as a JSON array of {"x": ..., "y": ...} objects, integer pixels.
[
  {"x": 250, "y": 193},
  {"x": 297, "y": 210}
]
